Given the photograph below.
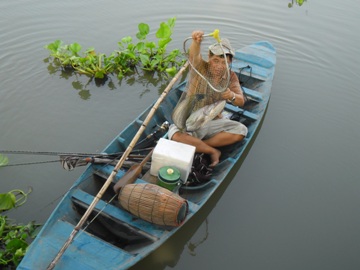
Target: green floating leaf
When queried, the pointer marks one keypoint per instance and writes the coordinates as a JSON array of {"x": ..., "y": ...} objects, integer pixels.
[
  {"x": 7, "y": 201},
  {"x": 3, "y": 160},
  {"x": 144, "y": 29},
  {"x": 150, "y": 45},
  {"x": 171, "y": 71},
  {"x": 127, "y": 39},
  {"x": 100, "y": 74},
  {"x": 164, "y": 31},
  {"x": 16, "y": 244},
  {"x": 2, "y": 225},
  {"x": 163, "y": 42},
  {"x": 55, "y": 46},
  {"x": 171, "y": 22},
  {"x": 75, "y": 48},
  {"x": 145, "y": 60}
]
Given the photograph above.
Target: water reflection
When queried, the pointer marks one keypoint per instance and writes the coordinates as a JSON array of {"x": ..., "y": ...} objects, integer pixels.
[
  {"x": 145, "y": 79},
  {"x": 193, "y": 245},
  {"x": 169, "y": 254}
]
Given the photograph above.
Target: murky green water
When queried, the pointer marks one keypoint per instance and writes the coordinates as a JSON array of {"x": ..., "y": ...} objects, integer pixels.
[{"x": 293, "y": 203}]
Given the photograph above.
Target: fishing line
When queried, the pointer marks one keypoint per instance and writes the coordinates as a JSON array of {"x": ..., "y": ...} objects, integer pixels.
[
  {"x": 30, "y": 163},
  {"x": 52, "y": 202},
  {"x": 44, "y": 153},
  {"x": 68, "y": 156},
  {"x": 98, "y": 214}
]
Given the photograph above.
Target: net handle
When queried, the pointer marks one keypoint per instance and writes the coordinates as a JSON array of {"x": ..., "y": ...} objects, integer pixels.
[{"x": 215, "y": 34}]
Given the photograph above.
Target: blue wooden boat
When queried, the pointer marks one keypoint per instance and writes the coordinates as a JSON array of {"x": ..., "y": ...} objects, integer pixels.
[{"x": 117, "y": 239}]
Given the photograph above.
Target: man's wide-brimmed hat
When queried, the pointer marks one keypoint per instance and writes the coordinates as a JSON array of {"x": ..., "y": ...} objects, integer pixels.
[{"x": 226, "y": 48}]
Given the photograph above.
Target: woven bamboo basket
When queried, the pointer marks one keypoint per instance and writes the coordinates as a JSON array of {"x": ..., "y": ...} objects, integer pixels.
[{"x": 154, "y": 204}]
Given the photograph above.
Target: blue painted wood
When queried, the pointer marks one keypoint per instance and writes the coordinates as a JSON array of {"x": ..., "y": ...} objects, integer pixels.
[
  {"x": 99, "y": 247},
  {"x": 260, "y": 56},
  {"x": 254, "y": 95},
  {"x": 93, "y": 251}
]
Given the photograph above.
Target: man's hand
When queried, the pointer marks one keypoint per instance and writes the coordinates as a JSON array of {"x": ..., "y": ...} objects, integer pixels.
[
  {"x": 228, "y": 95},
  {"x": 197, "y": 36}
]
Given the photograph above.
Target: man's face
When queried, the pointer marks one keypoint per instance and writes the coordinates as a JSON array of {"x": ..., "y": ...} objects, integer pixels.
[{"x": 218, "y": 65}]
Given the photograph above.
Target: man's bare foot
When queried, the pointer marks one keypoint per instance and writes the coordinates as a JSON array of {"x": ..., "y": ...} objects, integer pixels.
[{"x": 215, "y": 158}]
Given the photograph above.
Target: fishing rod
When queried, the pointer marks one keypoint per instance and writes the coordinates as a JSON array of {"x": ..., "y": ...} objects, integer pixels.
[
  {"x": 71, "y": 160},
  {"x": 44, "y": 153},
  {"x": 146, "y": 141}
]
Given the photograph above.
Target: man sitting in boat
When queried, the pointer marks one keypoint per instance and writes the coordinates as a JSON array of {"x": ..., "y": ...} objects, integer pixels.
[{"x": 218, "y": 131}]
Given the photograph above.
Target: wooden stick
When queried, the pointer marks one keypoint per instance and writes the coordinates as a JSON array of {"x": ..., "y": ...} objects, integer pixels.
[
  {"x": 116, "y": 169},
  {"x": 131, "y": 174}
]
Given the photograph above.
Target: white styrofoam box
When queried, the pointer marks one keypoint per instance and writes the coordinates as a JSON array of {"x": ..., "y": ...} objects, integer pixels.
[{"x": 171, "y": 153}]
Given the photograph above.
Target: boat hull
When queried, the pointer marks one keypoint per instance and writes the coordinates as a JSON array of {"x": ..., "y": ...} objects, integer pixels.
[{"x": 118, "y": 239}]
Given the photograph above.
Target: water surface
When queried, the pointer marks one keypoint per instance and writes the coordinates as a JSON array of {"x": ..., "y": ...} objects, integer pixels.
[{"x": 292, "y": 203}]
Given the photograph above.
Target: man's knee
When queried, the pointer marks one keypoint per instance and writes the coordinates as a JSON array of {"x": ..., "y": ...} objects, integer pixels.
[
  {"x": 175, "y": 136},
  {"x": 239, "y": 137},
  {"x": 178, "y": 136},
  {"x": 172, "y": 131},
  {"x": 234, "y": 138}
]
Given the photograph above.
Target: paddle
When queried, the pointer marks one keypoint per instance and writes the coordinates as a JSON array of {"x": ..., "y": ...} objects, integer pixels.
[
  {"x": 116, "y": 169},
  {"x": 131, "y": 175}
]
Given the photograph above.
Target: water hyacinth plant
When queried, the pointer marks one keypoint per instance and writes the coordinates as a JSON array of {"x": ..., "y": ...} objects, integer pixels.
[
  {"x": 14, "y": 238},
  {"x": 297, "y": 2},
  {"x": 4, "y": 160},
  {"x": 145, "y": 54}
]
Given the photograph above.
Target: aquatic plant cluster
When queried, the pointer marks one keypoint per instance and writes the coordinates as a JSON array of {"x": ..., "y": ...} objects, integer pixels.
[
  {"x": 14, "y": 238},
  {"x": 148, "y": 55}
]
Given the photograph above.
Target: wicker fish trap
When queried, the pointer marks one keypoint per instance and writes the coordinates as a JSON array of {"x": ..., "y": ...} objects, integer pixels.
[{"x": 154, "y": 204}]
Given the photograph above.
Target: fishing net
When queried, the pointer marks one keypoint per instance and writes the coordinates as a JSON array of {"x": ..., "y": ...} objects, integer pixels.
[{"x": 202, "y": 101}]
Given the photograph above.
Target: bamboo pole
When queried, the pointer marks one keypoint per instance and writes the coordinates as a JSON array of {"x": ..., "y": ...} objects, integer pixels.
[{"x": 116, "y": 169}]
